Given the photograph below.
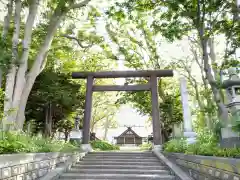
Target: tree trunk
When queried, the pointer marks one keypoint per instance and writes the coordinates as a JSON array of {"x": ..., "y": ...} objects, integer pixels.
[
  {"x": 1, "y": 73},
  {"x": 66, "y": 134},
  {"x": 6, "y": 26},
  {"x": 106, "y": 126},
  {"x": 10, "y": 80},
  {"x": 204, "y": 39},
  {"x": 7, "y": 19},
  {"x": 24, "y": 83},
  {"x": 37, "y": 66},
  {"x": 48, "y": 120},
  {"x": 165, "y": 136},
  {"x": 20, "y": 75},
  {"x": 222, "y": 110}
]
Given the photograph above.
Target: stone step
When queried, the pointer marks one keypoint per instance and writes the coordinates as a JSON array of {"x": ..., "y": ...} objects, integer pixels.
[
  {"x": 106, "y": 162},
  {"x": 121, "y": 153},
  {"x": 121, "y": 160},
  {"x": 70, "y": 176},
  {"x": 118, "y": 171},
  {"x": 115, "y": 166},
  {"x": 118, "y": 166},
  {"x": 119, "y": 157}
]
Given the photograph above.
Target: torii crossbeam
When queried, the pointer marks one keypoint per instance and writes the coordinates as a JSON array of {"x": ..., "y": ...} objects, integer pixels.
[{"x": 152, "y": 86}]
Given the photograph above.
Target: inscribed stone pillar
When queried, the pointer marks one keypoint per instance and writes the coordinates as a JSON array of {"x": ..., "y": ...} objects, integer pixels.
[
  {"x": 187, "y": 118},
  {"x": 157, "y": 139},
  {"x": 88, "y": 109}
]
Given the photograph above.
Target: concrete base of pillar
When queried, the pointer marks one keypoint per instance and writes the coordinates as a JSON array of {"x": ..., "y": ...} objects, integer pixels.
[
  {"x": 230, "y": 139},
  {"x": 86, "y": 148},
  {"x": 191, "y": 137},
  {"x": 157, "y": 148}
]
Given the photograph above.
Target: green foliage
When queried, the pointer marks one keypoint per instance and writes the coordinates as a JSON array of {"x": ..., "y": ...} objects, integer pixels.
[
  {"x": 174, "y": 19},
  {"x": 146, "y": 146},
  {"x": 5, "y": 55},
  {"x": 103, "y": 145},
  {"x": 236, "y": 122},
  {"x": 12, "y": 142},
  {"x": 1, "y": 101},
  {"x": 139, "y": 45},
  {"x": 175, "y": 145},
  {"x": 65, "y": 125},
  {"x": 63, "y": 94},
  {"x": 207, "y": 145},
  {"x": 170, "y": 105},
  {"x": 104, "y": 109}
]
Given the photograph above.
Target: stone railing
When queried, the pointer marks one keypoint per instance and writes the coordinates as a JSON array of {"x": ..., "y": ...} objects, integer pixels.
[
  {"x": 207, "y": 167},
  {"x": 34, "y": 165},
  {"x": 172, "y": 167}
]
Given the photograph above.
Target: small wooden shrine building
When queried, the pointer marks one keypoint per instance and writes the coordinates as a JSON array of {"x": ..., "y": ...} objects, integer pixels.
[{"x": 129, "y": 137}]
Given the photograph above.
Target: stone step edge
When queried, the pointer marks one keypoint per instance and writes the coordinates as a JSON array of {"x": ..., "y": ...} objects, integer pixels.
[
  {"x": 123, "y": 178},
  {"x": 118, "y": 166},
  {"x": 121, "y": 157},
  {"x": 118, "y": 163},
  {"x": 118, "y": 170},
  {"x": 143, "y": 160},
  {"x": 120, "y": 152},
  {"x": 115, "y": 175}
]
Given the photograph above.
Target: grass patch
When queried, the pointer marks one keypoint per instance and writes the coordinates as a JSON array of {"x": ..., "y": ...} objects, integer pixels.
[
  {"x": 12, "y": 142},
  {"x": 103, "y": 146},
  {"x": 206, "y": 145},
  {"x": 146, "y": 147}
]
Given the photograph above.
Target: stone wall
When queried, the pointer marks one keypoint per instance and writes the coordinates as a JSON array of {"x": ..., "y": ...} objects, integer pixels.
[
  {"x": 32, "y": 166},
  {"x": 207, "y": 167}
]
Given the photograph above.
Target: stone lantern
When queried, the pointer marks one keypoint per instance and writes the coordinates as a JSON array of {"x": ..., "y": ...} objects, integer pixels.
[
  {"x": 232, "y": 86},
  {"x": 76, "y": 133},
  {"x": 77, "y": 122}
]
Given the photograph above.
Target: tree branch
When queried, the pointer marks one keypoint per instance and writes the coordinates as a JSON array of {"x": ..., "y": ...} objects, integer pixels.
[
  {"x": 80, "y": 5},
  {"x": 17, "y": 22},
  {"x": 78, "y": 41},
  {"x": 7, "y": 19}
]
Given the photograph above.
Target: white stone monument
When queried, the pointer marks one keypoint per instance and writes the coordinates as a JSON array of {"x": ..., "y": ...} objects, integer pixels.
[{"x": 187, "y": 118}]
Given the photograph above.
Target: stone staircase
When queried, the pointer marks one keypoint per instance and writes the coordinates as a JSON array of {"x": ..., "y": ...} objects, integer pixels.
[{"x": 119, "y": 166}]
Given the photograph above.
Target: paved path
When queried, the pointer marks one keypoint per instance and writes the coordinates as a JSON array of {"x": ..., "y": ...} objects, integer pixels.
[{"x": 130, "y": 148}]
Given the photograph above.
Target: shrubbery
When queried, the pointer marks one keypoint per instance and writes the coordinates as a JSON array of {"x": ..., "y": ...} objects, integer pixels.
[
  {"x": 103, "y": 145},
  {"x": 21, "y": 143},
  {"x": 146, "y": 146},
  {"x": 207, "y": 145}
]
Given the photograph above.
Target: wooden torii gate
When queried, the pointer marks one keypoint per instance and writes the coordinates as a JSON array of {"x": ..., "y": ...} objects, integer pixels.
[{"x": 152, "y": 86}]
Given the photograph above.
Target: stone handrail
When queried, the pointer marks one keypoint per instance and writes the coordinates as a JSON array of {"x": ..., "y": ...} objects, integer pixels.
[
  {"x": 34, "y": 165},
  {"x": 207, "y": 167},
  {"x": 175, "y": 170}
]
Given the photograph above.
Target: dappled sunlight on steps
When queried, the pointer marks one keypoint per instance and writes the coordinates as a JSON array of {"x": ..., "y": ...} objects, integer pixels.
[{"x": 119, "y": 166}]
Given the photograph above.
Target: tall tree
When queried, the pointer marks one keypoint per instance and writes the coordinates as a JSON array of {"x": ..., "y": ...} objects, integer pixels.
[
  {"x": 21, "y": 76},
  {"x": 138, "y": 45},
  {"x": 202, "y": 19},
  {"x": 104, "y": 110}
]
